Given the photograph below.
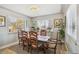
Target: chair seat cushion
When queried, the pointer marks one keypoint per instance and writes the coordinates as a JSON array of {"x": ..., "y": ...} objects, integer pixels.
[
  {"x": 52, "y": 45},
  {"x": 35, "y": 46}
]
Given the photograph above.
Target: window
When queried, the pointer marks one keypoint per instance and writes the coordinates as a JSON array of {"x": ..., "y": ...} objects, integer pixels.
[
  {"x": 72, "y": 21},
  {"x": 43, "y": 23},
  {"x": 15, "y": 23},
  {"x": 12, "y": 27}
]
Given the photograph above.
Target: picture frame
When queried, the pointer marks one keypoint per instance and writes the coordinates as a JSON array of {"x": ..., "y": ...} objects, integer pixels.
[
  {"x": 2, "y": 21},
  {"x": 57, "y": 23}
]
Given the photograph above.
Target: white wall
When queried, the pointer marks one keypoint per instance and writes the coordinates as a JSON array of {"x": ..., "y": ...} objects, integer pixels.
[
  {"x": 72, "y": 44},
  {"x": 6, "y": 37},
  {"x": 64, "y": 8}
]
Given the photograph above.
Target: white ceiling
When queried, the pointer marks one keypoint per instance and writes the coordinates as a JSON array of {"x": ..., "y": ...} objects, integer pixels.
[{"x": 43, "y": 9}]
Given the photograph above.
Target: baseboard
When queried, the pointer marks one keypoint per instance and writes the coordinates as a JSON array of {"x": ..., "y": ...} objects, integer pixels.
[{"x": 8, "y": 45}]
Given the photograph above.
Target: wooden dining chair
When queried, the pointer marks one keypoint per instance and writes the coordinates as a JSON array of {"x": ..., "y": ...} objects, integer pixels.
[
  {"x": 43, "y": 32},
  {"x": 25, "y": 40},
  {"x": 33, "y": 40},
  {"x": 20, "y": 36},
  {"x": 52, "y": 44}
]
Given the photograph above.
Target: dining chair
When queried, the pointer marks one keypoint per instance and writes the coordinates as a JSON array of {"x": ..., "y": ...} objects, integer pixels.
[
  {"x": 52, "y": 43},
  {"x": 20, "y": 36},
  {"x": 33, "y": 41},
  {"x": 43, "y": 32},
  {"x": 25, "y": 40}
]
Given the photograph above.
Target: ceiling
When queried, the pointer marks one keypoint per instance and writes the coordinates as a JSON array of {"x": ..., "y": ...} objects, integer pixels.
[{"x": 34, "y": 10}]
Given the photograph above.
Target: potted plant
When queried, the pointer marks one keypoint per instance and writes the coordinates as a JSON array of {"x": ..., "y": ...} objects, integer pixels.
[{"x": 62, "y": 33}]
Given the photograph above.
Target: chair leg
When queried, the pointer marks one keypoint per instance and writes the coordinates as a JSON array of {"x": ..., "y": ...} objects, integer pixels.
[
  {"x": 44, "y": 50},
  {"x": 27, "y": 48},
  {"x": 23, "y": 45},
  {"x": 37, "y": 50},
  {"x": 31, "y": 50},
  {"x": 55, "y": 51},
  {"x": 19, "y": 42}
]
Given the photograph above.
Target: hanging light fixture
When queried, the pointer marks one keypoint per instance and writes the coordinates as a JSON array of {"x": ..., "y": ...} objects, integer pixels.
[{"x": 34, "y": 8}]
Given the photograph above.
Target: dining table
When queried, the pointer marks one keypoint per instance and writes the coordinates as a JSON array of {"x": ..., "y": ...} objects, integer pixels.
[
  {"x": 43, "y": 38},
  {"x": 43, "y": 41}
]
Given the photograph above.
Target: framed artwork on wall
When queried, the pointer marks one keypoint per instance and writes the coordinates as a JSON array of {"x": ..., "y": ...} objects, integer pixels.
[
  {"x": 2, "y": 21},
  {"x": 57, "y": 23}
]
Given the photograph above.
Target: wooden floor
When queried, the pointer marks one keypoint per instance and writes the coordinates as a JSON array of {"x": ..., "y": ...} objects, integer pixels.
[{"x": 17, "y": 49}]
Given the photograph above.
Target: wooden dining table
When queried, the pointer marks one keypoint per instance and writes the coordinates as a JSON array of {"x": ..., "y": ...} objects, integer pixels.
[{"x": 43, "y": 40}]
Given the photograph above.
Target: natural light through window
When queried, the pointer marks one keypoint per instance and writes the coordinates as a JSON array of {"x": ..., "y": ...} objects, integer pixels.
[
  {"x": 43, "y": 23},
  {"x": 71, "y": 21}
]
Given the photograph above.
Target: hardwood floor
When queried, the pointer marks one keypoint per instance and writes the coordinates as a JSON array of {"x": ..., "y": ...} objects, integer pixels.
[{"x": 17, "y": 49}]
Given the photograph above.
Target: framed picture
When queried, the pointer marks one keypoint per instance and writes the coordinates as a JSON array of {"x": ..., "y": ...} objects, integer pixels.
[
  {"x": 57, "y": 23},
  {"x": 2, "y": 21}
]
